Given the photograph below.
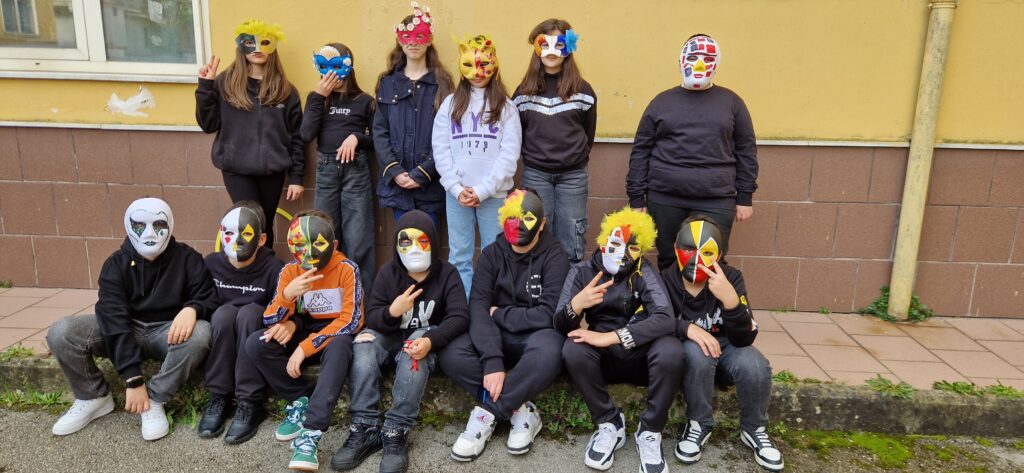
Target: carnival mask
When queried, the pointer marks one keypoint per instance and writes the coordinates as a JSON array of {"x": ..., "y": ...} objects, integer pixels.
[
  {"x": 311, "y": 241},
  {"x": 414, "y": 249},
  {"x": 521, "y": 217},
  {"x": 420, "y": 30},
  {"x": 698, "y": 62},
  {"x": 697, "y": 246},
  {"x": 555, "y": 45},
  {"x": 148, "y": 222},
  {"x": 239, "y": 235},
  {"x": 477, "y": 58},
  {"x": 257, "y": 36}
]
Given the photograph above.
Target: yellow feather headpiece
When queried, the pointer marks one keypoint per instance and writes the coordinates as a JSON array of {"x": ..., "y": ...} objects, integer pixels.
[
  {"x": 512, "y": 208},
  {"x": 259, "y": 28},
  {"x": 639, "y": 223}
]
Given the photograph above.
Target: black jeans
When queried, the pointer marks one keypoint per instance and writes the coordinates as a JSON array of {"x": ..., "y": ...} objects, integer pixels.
[
  {"x": 263, "y": 189},
  {"x": 531, "y": 364},
  {"x": 667, "y": 220},
  {"x": 744, "y": 367},
  {"x": 228, "y": 370},
  {"x": 271, "y": 359},
  {"x": 657, "y": 365},
  {"x": 344, "y": 191}
]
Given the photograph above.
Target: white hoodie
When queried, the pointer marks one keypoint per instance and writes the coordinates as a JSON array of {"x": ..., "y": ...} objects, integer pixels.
[{"x": 474, "y": 154}]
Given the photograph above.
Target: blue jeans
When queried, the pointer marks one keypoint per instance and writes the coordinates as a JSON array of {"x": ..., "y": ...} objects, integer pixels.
[
  {"x": 344, "y": 191},
  {"x": 565, "y": 206},
  {"x": 462, "y": 225},
  {"x": 369, "y": 360},
  {"x": 745, "y": 367}
]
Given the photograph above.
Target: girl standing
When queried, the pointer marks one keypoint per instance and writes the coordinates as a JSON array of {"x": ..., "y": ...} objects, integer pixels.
[
  {"x": 558, "y": 110},
  {"x": 476, "y": 146},
  {"x": 338, "y": 115},
  {"x": 409, "y": 93},
  {"x": 256, "y": 115}
]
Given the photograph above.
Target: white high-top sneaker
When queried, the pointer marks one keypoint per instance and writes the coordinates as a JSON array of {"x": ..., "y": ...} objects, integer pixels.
[
  {"x": 525, "y": 427},
  {"x": 472, "y": 441},
  {"x": 154, "y": 422},
  {"x": 81, "y": 413}
]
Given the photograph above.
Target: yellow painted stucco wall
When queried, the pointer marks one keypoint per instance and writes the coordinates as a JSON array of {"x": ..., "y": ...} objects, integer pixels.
[{"x": 807, "y": 69}]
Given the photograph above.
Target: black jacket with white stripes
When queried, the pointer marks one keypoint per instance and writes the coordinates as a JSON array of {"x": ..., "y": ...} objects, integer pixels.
[{"x": 557, "y": 133}]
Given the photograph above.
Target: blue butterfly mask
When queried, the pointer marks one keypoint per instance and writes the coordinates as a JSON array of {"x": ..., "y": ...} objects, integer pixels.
[{"x": 341, "y": 66}]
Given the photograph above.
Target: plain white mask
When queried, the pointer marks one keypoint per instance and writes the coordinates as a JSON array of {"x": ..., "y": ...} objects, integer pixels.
[
  {"x": 415, "y": 260},
  {"x": 149, "y": 222}
]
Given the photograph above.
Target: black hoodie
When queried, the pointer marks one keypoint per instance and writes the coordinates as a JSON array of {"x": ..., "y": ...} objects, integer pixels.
[
  {"x": 523, "y": 287},
  {"x": 132, "y": 288},
  {"x": 253, "y": 284},
  {"x": 636, "y": 302},
  {"x": 706, "y": 310},
  {"x": 442, "y": 304}
]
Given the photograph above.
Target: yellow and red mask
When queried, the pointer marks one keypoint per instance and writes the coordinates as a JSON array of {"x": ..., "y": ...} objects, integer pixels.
[
  {"x": 521, "y": 216},
  {"x": 257, "y": 36},
  {"x": 477, "y": 58},
  {"x": 311, "y": 241},
  {"x": 697, "y": 246},
  {"x": 413, "y": 249}
]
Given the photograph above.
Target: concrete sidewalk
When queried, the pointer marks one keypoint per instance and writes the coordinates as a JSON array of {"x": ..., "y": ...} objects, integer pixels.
[{"x": 841, "y": 347}]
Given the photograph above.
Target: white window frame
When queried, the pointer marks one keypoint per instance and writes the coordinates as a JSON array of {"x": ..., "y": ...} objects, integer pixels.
[
  {"x": 35, "y": 21},
  {"x": 88, "y": 61}
]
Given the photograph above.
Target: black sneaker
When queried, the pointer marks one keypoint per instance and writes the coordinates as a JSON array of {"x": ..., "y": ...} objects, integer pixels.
[
  {"x": 765, "y": 454},
  {"x": 248, "y": 417},
  {"x": 689, "y": 448},
  {"x": 396, "y": 451},
  {"x": 363, "y": 441},
  {"x": 212, "y": 423}
]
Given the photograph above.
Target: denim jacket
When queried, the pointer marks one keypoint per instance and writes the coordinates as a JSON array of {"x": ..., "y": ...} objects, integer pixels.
[{"x": 402, "y": 127}]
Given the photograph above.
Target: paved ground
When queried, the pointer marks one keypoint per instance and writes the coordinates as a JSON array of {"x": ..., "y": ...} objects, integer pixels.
[
  {"x": 113, "y": 443},
  {"x": 841, "y": 347}
]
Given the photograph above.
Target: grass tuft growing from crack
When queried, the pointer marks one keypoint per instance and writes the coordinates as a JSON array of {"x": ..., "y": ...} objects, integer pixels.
[
  {"x": 16, "y": 351},
  {"x": 19, "y": 400},
  {"x": 918, "y": 312},
  {"x": 889, "y": 389}
]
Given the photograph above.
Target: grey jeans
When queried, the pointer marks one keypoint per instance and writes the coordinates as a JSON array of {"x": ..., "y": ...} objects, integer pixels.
[
  {"x": 344, "y": 191},
  {"x": 565, "y": 206},
  {"x": 369, "y": 360},
  {"x": 745, "y": 367},
  {"x": 75, "y": 340}
]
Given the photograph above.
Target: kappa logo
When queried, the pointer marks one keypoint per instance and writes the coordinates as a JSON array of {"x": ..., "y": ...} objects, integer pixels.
[{"x": 324, "y": 301}]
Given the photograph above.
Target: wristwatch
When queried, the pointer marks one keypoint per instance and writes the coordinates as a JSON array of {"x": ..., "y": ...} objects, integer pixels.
[{"x": 134, "y": 382}]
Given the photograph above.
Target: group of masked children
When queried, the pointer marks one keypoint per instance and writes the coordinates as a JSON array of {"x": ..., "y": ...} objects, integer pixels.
[{"x": 497, "y": 328}]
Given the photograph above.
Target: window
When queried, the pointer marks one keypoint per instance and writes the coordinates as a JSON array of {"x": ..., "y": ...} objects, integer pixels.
[{"x": 104, "y": 39}]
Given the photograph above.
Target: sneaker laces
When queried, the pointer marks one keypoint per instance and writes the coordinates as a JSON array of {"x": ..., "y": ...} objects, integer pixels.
[
  {"x": 216, "y": 405},
  {"x": 649, "y": 445},
  {"x": 356, "y": 434},
  {"x": 692, "y": 434},
  {"x": 79, "y": 406},
  {"x": 293, "y": 413},
  {"x": 519, "y": 418},
  {"x": 473, "y": 428},
  {"x": 607, "y": 437},
  {"x": 305, "y": 444},
  {"x": 394, "y": 441},
  {"x": 761, "y": 437},
  {"x": 151, "y": 414},
  {"x": 244, "y": 412}
]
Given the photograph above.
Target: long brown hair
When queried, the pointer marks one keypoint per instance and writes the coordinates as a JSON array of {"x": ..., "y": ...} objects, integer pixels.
[
  {"x": 396, "y": 59},
  {"x": 570, "y": 82},
  {"x": 495, "y": 99},
  {"x": 274, "y": 88},
  {"x": 350, "y": 86}
]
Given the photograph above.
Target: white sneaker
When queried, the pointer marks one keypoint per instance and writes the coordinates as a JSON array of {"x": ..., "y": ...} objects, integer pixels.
[
  {"x": 691, "y": 446},
  {"x": 154, "y": 422},
  {"x": 525, "y": 427},
  {"x": 81, "y": 413},
  {"x": 608, "y": 438},
  {"x": 472, "y": 441},
  {"x": 648, "y": 446},
  {"x": 765, "y": 453}
]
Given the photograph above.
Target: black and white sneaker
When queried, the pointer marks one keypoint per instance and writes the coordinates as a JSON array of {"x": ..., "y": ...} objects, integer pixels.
[
  {"x": 526, "y": 425},
  {"x": 609, "y": 437},
  {"x": 689, "y": 448},
  {"x": 471, "y": 442},
  {"x": 648, "y": 446},
  {"x": 765, "y": 453}
]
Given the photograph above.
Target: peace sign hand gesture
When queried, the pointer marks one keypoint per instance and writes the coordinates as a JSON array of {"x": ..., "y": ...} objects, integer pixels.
[
  {"x": 592, "y": 294},
  {"x": 209, "y": 70},
  {"x": 720, "y": 286},
  {"x": 404, "y": 302}
]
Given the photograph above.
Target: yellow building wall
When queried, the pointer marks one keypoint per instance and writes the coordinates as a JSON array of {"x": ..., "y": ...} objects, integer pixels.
[{"x": 807, "y": 69}]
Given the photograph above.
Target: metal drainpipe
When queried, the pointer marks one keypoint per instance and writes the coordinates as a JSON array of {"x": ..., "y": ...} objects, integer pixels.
[{"x": 919, "y": 164}]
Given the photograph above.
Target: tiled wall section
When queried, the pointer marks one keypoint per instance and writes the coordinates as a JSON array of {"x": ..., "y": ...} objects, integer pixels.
[{"x": 822, "y": 233}]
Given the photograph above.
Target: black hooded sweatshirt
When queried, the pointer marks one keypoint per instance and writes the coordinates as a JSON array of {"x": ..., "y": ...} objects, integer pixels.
[
  {"x": 524, "y": 288},
  {"x": 132, "y": 288},
  {"x": 253, "y": 284},
  {"x": 442, "y": 304},
  {"x": 706, "y": 310},
  {"x": 636, "y": 302}
]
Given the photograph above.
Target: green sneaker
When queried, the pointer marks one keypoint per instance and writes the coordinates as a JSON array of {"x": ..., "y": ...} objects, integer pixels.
[
  {"x": 294, "y": 416},
  {"x": 304, "y": 451}
]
